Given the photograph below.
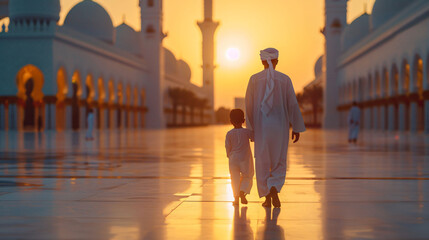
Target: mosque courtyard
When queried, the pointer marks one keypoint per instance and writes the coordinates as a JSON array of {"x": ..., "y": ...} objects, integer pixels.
[{"x": 174, "y": 184}]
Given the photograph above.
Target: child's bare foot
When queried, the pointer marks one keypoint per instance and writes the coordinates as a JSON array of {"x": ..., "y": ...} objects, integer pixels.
[
  {"x": 275, "y": 197},
  {"x": 267, "y": 202},
  {"x": 236, "y": 201},
  {"x": 243, "y": 197}
]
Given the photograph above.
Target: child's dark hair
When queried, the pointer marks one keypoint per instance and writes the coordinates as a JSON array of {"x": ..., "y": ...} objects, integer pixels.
[{"x": 236, "y": 115}]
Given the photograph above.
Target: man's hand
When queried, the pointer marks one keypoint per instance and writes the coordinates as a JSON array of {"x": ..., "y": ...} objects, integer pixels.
[{"x": 295, "y": 136}]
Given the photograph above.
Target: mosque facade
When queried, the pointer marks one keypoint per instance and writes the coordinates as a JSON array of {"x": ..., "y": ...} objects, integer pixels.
[
  {"x": 52, "y": 74},
  {"x": 381, "y": 62}
]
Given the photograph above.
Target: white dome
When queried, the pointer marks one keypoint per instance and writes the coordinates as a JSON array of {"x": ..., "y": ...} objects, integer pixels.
[
  {"x": 184, "y": 71},
  {"x": 127, "y": 39},
  {"x": 47, "y": 9},
  {"x": 170, "y": 62},
  {"x": 92, "y": 19},
  {"x": 355, "y": 31},
  {"x": 318, "y": 67},
  {"x": 384, "y": 10}
]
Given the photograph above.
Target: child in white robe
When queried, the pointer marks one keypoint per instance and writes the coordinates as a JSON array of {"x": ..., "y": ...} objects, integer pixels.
[{"x": 240, "y": 157}]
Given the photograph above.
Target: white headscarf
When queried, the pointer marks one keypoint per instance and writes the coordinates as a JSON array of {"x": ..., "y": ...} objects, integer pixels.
[{"x": 268, "y": 55}]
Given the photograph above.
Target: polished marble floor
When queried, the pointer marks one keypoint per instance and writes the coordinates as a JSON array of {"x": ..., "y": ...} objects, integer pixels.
[{"x": 174, "y": 184}]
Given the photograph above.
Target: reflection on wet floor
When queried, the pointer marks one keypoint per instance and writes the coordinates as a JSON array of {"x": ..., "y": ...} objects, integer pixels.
[{"x": 174, "y": 184}]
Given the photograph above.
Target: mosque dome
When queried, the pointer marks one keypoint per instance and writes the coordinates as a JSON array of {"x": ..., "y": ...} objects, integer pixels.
[
  {"x": 184, "y": 71},
  {"x": 92, "y": 19},
  {"x": 355, "y": 31},
  {"x": 170, "y": 62},
  {"x": 127, "y": 39},
  {"x": 384, "y": 10},
  {"x": 24, "y": 9},
  {"x": 318, "y": 67}
]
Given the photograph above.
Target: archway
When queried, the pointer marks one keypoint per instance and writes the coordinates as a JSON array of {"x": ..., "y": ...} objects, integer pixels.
[
  {"x": 62, "y": 91},
  {"x": 378, "y": 116},
  {"x": 370, "y": 114},
  {"x": 29, "y": 82},
  {"x": 142, "y": 105},
  {"x": 128, "y": 106},
  {"x": 385, "y": 94},
  {"x": 395, "y": 91},
  {"x": 76, "y": 95},
  {"x": 406, "y": 92},
  {"x": 90, "y": 95},
  {"x": 111, "y": 102},
  {"x": 120, "y": 105},
  {"x": 101, "y": 101},
  {"x": 418, "y": 85},
  {"x": 135, "y": 107}
]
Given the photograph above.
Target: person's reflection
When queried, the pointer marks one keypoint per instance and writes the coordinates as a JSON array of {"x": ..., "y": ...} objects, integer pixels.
[
  {"x": 242, "y": 229},
  {"x": 271, "y": 230}
]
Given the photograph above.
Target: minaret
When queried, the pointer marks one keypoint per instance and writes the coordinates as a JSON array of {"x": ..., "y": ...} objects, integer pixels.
[
  {"x": 151, "y": 29},
  {"x": 335, "y": 22},
  {"x": 208, "y": 28}
]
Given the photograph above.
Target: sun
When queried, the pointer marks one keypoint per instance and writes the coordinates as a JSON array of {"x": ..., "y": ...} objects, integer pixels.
[{"x": 232, "y": 54}]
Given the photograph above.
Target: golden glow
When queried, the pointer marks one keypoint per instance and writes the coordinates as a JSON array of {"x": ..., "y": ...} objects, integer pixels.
[
  {"x": 111, "y": 92},
  {"x": 26, "y": 73},
  {"x": 232, "y": 54},
  {"x": 101, "y": 91},
  {"x": 90, "y": 85},
  {"x": 76, "y": 80},
  {"x": 290, "y": 26},
  {"x": 62, "y": 84},
  {"x": 419, "y": 77}
]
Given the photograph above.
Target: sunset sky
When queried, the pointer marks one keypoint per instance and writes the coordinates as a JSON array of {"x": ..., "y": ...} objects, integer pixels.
[{"x": 246, "y": 26}]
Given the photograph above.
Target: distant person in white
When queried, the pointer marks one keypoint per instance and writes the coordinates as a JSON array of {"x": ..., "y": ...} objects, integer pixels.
[
  {"x": 90, "y": 122},
  {"x": 354, "y": 119},
  {"x": 272, "y": 108},
  {"x": 240, "y": 157}
]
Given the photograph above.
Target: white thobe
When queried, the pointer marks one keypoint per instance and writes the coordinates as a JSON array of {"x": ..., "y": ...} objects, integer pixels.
[
  {"x": 272, "y": 131},
  {"x": 354, "y": 119},
  {"x": 240, "y": 159},
  {"x": 90, "y": 120}
]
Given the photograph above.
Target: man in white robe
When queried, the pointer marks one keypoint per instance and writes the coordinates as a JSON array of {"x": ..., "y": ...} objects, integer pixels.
[
  {"x": 354, "y": 120},
  {"x": 272, "y": 108}
]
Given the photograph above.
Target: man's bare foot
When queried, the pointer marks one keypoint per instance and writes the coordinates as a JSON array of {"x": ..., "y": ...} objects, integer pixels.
[
  {"x": 267, "y": 202},
  {"x": 275, "y": 197},
  {"x": 236, "y": 201},
  {"x": 243, "y": 197}
]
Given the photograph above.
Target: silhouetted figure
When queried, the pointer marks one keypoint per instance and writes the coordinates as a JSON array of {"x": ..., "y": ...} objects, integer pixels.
[
  {"x": 240, "y": 157},
  {"x": 242, "y": 229},
  {"x": 271, "y": 231},
  {"x": 29, "y": 110},
  {"x": 272, "y": 108},
  {"x": 75, "y": 108},
  {"x": 90, "y": 124},
  {"x": 354, "y": 120}
]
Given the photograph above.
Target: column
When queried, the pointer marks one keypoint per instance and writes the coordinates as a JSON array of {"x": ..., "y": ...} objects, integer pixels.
[
  {"x": 402, "y": 117},
  {"x": 367, "y": 119},
  {"x": 2, "y": 117},
  {"x": 50, "y": 116},
  {"x": 375, "y": 118},
  {"x": 413, "y": 117},
  {"x": 391, "y": 117},
  {"x": 382, "y": 112},
  {"x": 426, "y": 116}
]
